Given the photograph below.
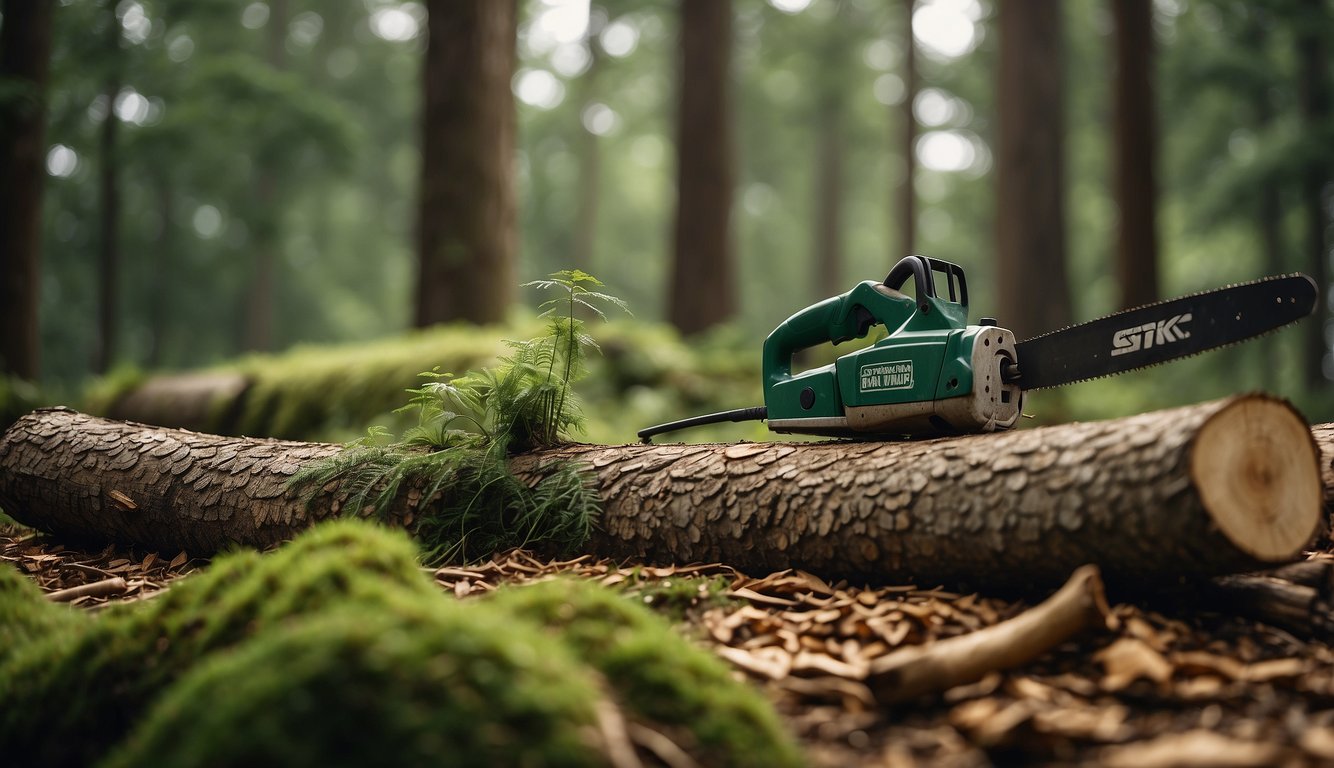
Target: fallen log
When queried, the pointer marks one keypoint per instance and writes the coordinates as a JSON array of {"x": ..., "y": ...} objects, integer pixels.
[
  {"x": 208, "y": 400},
  {"x": 1214, "y": 488},
  {"x": 85, "y": 477}
]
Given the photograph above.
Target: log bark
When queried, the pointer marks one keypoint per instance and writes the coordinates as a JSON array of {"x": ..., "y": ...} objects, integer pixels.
[
  {"x": 166, "y": 489},
  {"x": 1214, "y": 488},
  {"x": 1324, "y": 439}
]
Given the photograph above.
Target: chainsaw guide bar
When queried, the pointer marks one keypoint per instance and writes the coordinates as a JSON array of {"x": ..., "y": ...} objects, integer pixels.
[{"x": 1159, "y": 333}]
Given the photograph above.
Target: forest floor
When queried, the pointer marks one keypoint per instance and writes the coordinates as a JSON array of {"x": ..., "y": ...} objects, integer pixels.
[{"x": 1176, "y": 686}]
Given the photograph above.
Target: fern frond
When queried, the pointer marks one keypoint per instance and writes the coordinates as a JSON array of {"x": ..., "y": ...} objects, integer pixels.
[{"x": 456, "y": 457}]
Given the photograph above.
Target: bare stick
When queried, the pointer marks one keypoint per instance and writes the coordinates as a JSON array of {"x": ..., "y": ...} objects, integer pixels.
[
  {"x": 911, "y": 672},
  {"x": 105, "y": 588}
]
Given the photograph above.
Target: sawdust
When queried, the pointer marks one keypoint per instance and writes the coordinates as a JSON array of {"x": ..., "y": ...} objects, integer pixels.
[{"x": 1184, "y": 688}]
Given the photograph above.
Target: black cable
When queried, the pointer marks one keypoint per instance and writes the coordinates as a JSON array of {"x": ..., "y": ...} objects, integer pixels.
[{"x": 757, "y": 413}]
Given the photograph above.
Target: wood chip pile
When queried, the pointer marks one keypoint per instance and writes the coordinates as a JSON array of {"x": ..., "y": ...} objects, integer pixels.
[{"x": 1177, "y": 686}]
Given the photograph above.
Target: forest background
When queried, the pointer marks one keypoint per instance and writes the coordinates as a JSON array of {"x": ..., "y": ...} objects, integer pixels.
[{"x": 218, "y": 178}]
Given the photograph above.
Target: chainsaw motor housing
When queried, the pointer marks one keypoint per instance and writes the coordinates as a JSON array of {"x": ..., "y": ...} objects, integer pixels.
[{"x": 933, "y": 373}]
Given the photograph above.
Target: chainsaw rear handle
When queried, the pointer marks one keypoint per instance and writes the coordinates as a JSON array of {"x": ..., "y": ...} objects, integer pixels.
[{"x": 920, "y": 269}]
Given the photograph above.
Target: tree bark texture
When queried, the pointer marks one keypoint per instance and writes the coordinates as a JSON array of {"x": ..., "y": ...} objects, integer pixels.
[
  {"x": 25, "y": 52},
  {"x": 1135, "y": 154},
  {"x": 1213, "y": 488},
  {"x": 167, "y": 489},
  {"x": 703, "y": 290},
  {"x": 467, "y": 226},
  {"x": 1324, "y": 438},
  {"x": 1034, "y": 292}
]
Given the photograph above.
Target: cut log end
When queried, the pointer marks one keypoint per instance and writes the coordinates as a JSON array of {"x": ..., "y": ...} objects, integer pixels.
[{"x": 1258, "y": 474}]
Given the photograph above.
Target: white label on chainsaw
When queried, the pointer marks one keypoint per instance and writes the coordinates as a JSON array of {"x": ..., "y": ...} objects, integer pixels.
[
  {"x": 876, "y": 377},
  {"x": 1149, "y": 335}
]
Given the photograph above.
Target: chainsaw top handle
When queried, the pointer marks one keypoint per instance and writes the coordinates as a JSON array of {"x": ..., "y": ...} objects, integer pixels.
[
  {"x": 920, "y": 268},
  {"x": 851, "y": 315}
]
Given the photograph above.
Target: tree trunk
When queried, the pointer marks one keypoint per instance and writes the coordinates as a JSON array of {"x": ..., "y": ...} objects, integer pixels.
[
  {"x": 907, "y": 193},
  {"x": 702, "y": 292},
  {"x": 25, "y": 52},
  {"x": 831, "y": 108},
  {"x": 260, "y": 292},
  {"x": 1269, "y": 210},
  {"x": 467, "y": 228},
  {"x": 1030, "y": 168},
  {"x": 590, "y": 151},
  {"x": 828, "y": 261},
  {"x": 161, "y": 282},
  {"x": 1135, "y": 155},
  {"x": 1213, "y": 488},
  {"x": 1313, "y": 97},
  {"x": 108, "y": 244}
]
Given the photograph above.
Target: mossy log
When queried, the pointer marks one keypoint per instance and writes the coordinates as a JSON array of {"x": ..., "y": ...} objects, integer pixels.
[
  {"x": 210, "y": 400},
  {"x": 1214, "y": 488}
]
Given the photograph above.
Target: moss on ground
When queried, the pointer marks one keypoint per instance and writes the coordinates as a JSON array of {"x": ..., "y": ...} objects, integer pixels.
[
  {"x": 407, "y": 683},
  {"x": 128, "y": 656},
  {"x": 25, "y": 616},
  {"x": 338, "y": 650},
  {"x": 658, "y": 676}
]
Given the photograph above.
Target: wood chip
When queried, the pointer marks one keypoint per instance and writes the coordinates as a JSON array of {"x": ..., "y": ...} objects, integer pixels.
[
  {"x": 756, "y": 597},
  {"x": 1192, "y": 749},
  {"x": 1274, "y": 669},
  {"x": 771, "y": 663},
  {"x": 1128, "y": 660}
]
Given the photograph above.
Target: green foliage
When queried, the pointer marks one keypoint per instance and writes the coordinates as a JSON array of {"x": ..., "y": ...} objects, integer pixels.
[
  {"x": 467, "y": 427},
  {"x": 337, "y": 650}
]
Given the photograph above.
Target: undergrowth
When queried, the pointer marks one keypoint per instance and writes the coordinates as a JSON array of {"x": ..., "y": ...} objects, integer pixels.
[{"x": 457, "y": 454}]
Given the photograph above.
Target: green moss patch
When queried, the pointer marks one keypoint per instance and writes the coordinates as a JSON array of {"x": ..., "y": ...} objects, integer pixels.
[
  {"x": 338, "y": 650},
  {"x": 658, "y": 676},
  {"x": 25, "y": 616},
  {"x": 409, "y": 683}
]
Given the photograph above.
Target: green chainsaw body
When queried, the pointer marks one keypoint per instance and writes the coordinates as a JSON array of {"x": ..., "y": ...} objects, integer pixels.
[{"x": 933, "y": 373}]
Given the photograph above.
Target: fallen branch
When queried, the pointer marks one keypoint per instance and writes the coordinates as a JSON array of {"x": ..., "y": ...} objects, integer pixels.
[
  {"x": 104, "y": 588},
  {"x": 1297, "y": 598},
  {"x": 915, "y": 671}
]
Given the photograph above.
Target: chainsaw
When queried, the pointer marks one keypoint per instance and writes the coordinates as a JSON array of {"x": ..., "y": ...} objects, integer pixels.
[{"x": 934, "y": 374}]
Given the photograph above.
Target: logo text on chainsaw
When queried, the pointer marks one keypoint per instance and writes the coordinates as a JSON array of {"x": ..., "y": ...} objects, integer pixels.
[
  {"x": 881, "y": 376},
  {"x": 1149, "y": 335}
]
